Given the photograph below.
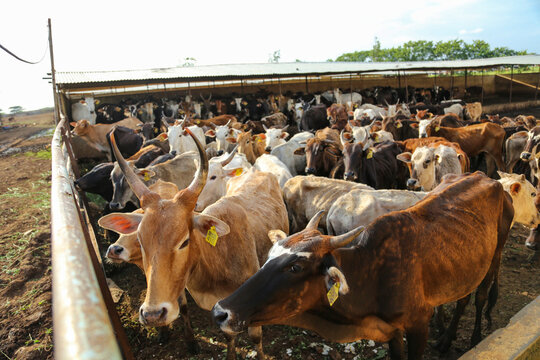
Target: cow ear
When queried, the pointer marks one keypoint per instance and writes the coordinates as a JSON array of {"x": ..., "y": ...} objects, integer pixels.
[
  {"x": 261, "y": 136},
  {"x": 276, "y": 235},
  {"x": 300, "y": 151},
  {"x": 334, "y": 275},
  {"x": 73, "y": 123},
  {"x": 438, "y": 158},
  {"x": 122, "y": 223},
  {"x": 231, "y": 140},
  {"x": 234, "y": 172},
  {"x": 210, "y": 133},
  {"x": 514, "y": 188},
  {"x": 405, "y": 157},
  {"x": 204, "y": 223},
  {"x": 284, "y": 135},
  {"x": 146, "y": 174}
]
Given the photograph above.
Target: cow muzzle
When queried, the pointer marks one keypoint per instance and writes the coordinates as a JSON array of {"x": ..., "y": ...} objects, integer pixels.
[
  {"x": 412, "y": 184},
  {"x": 115, "y": 206},
  {"x": 225, "y": 319},
  {"x": 116, "y": 253},
  {"x": 310, "y": 171},
  {"x": 525, "y": 155},
  {"x": 155, "y": 316},
  {"x": 350, "y": 176},
  {"x": 423, "y": 135}
]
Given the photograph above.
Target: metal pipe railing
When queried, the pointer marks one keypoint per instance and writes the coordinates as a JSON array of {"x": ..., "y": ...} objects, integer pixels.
[{"x": 81, "y": 325}]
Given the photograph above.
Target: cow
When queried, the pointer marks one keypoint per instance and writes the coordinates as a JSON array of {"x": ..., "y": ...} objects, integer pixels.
[
  {"x": 528, "y": 121},
  {"x": 473, "y": 111},
  {"x": 454, "y": 109},
  {"x": 84, "y": 109},
  {"x": 514, "y": 146},
  {"x": 127, "y": 248},
  {"x": 223, "y": 135},
  {"x": 179, "y": 171},
  {"x": 314, "y": 118},
  {"x": 278, "y": 120},
  {"x": 220, "y": 120},
  {"x": 97, "y": 181},
  {"x": 428, "y": 164},
  {"x": 271, "y": 164},
  {"x": 286, "y": 153},
  {"x": 523, "y": 196},
  {"x": 400, "y": 129},
  {"x": 474, "y": 139},
  {"x": 128, "y": 140},
  {"x": 179, "y": 139},
  {"x": 376, "y": 167},
  {"x": 306, "y": 195},
  {"x": 533, "y": 139},
  {"x": 448, "y": 120},
  {"x": 96, "y": 135},
  {"x": 274, "y": 137},
  {"x": 252, "y": 146},
  {"x": 210, "y": 253},
  {"x": 388, "y": 282},
  {"x": 323, "y": 152},
  {"x": 337, "y": 115},
  {"x": 362, "y": 206},
  {"x": 365, "y": 135},
  {"x": 220, "y": 170}
]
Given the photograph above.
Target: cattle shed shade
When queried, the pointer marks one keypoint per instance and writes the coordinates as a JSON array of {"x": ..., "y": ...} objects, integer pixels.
[{"x": 73, "y": 80}]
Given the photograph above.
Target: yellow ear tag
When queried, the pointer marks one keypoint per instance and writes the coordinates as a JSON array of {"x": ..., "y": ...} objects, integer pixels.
[
  {"x": 376, "y": 137},
  {"x": 259, "y": 139},
  {"x": 333, "y": 293},
  {"x": 198, "y": 122},
  {"x": 369, "y": 154},
  {"x": 146, "y": 176},
  {"x": 238, "y": 172},
  {"x": 399, "y": 124},
  {"x": 437, "y": 128},
  {"x": 212, "y": 236},
  {"x": 156, "y": 130}
]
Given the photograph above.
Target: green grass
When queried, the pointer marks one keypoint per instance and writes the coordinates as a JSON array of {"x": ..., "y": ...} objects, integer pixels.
[{"x": 41, "y": 154}]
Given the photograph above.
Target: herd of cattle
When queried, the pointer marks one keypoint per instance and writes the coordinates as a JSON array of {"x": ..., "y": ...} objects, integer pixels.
[{"x": 351, "y": 219}]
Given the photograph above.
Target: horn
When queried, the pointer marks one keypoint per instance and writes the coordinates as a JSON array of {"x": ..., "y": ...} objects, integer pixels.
[
  {"x": 199, "y": 180},
  {"x": 139, "y": 188},
  {"x": 265, "y": 128},
  {"x": 285, "y": 128},
  {"x": 230, "y": 157},
  {"x": 342, "y": 138},
  {"x": 387, "y": 104},
  {"x": 228, "y": 122},
  {"x": 165, "y": 122},
  {"x": 342, "y": 240},
  {"x": 314, "y": 222}
]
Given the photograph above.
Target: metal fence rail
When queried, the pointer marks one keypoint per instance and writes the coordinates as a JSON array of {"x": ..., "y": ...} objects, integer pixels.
[{"x": 82, "y": 326}]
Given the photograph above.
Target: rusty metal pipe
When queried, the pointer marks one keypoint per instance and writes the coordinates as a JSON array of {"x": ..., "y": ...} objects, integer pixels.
[{"x": 82, "y": 328}]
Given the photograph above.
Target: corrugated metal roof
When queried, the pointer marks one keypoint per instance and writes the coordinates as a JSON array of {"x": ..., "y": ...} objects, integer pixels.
[{"x": 231, "y": 71}]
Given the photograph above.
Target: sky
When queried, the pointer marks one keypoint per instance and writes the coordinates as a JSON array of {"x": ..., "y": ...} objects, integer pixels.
[{"x": 120, "y": 35}]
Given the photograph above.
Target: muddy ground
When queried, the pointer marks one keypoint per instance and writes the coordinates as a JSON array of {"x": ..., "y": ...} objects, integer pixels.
[{"x": 25, "y": 285}]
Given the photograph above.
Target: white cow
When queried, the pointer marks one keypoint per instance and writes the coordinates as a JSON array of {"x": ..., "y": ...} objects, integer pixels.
[
  {"x": 354, "y": 97},
  {"x": 422, "y": 125},
  {"x": 275, "y": 137},
  {"x": 428, "y": 165},
  {"x": 180, "y": 141},
  {"x": 362, "y": 206},
  {"x": 523, "y": 196},
  {"x": 456, "y": 109},
  {"x": 84, "y": 109},
  {"x": 363, "y": 134},
  {"x": 223, "y": 134},
  {"x": 285, "y": 152},
  {"x": 364, "y": 113},
  {"x": 220, "y": 170},
  {"x": 270, "y": 163}
]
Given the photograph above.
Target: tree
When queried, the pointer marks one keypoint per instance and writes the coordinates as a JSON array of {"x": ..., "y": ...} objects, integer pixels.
[
  {"x": 274, "y": 57},
  {"x": 189, "y": 62},
  {"x": 16, "y": 109}
]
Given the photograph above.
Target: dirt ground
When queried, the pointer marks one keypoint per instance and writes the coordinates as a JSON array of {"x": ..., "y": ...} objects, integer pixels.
[
  {"x": 25, "y": 281},
  {"x": 25, "y": 284}
]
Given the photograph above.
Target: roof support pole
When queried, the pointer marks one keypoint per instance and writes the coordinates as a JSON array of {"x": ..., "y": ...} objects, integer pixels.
[
  {"x": 465, "y": 83},
  {"x": 307, "y": 87},
  {"x": 399, "y": 79},
  {"x": 482, "y": 94},
  {"x": 350, "y": 85},
  {"x": 511, "y": 83},
  {"x": 53, "y": 76},
  {"x": 406, "y": 88},
  {"x": 452, "y": 84},
  {"x": 537, "y": 84}
]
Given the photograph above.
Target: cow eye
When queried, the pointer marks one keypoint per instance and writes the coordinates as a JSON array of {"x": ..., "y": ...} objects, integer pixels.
[
  {"x": 533, "y": 194},
  {"x": 428, "y": 161},
  {"x": 213, "y": 177},
  {"x": 184, "y": 244},
  {"x": 295, "y": 268}
]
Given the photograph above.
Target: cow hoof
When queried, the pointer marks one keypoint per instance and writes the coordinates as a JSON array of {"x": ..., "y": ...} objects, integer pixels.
[
  {"x": 475, "y": 339},
  {"x": 193, "y": 347},
  {"x": 443, "y": 344}
]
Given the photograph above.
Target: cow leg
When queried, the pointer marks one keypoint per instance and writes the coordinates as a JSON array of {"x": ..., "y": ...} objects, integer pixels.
[
  {"x": 440, "y": 319},
  {"x": 255, "y": 334},
  {"x": 192, "y": 345},
  {"x": 396, "y": 346},
  {"x": 450, "y": 334},
  {"x": 418, "y": 334},
  {"x": 231, "y": 346},
  {"x": 492, "y": 300}
]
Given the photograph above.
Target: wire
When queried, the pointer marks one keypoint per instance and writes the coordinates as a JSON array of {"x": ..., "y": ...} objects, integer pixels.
[{"x": 26, "y": 61}]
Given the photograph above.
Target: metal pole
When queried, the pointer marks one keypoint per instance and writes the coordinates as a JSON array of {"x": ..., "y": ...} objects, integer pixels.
[
  {"x": 406, "y": 88},
  {"x": 307, "y": 88},
  {"x": 452, "y": 84},
  {"x": 482, "y": 95},
  {"x": 399, "y": 79},
  {"x": 350, "y": 85},
  {"x": 465, "y": 83},
  {"x": 53, "y": 75},
  {"x": 511, "y": 83}
]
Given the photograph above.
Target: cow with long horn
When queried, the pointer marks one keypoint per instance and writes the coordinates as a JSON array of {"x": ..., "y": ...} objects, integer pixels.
[
  {"x": 210, "y": 253},
  {"x": 386, "y": 282}
]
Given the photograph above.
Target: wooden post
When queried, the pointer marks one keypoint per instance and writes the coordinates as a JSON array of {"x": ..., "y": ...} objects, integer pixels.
[
  {"x": 406, "y": 88},
  {"x": 511, "y": 82},
  {"x": 399, "y": 79},
  {"x": 53, "y": 76},
  {"x": 537, "y": 84},
  {"x": 307, "y": 87},
  {"x": 350, "y": 85},
  {"x": 452, "y": 84},
  {"x": 465, "y": 83},
  {"x": 482, "y": 95}
]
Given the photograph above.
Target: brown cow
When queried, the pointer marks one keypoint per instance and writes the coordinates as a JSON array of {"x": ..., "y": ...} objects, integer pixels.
[
  {"x": 209, "y": 253},
  {"x": 474, "y": 139},
  {"x": 337, "y": 115},
  {"x": 388, "y": 282},
  {"x": 218, "y": 120},
  {"x": 323, "y": 152},
  {"x": 250, "y": 145},
  {"x": 473, "y": 111}
]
